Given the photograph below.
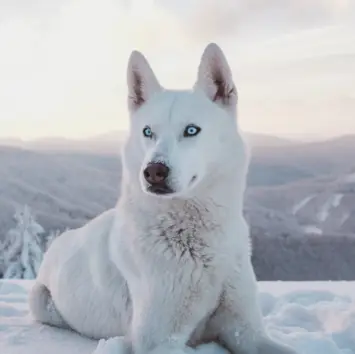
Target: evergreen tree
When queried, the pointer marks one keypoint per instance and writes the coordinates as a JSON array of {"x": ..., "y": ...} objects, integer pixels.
[{"x": 23, "y": 253}]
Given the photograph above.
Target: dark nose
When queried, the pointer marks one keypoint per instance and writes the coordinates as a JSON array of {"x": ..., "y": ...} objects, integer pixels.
[{"x": 156, "y": 173}]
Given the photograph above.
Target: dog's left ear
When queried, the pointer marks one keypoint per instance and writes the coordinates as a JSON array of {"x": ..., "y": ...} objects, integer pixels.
[{"x": 215, "y": 78}]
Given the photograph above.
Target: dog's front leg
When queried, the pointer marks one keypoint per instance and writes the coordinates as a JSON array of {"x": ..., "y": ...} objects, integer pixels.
[
  {"x": 238, "y": 322},
  {"x": 169, "y": 312}
]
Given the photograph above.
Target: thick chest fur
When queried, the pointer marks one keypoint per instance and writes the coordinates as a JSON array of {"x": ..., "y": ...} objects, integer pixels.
[{"x": 184, "y": 233}]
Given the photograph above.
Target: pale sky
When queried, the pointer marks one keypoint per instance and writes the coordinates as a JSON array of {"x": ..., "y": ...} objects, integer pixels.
[{"x": 63, "y": 63}]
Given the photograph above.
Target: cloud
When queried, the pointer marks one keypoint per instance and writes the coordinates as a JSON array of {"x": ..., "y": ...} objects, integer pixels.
[
  {"x": 214, "y": 19},
  {"x": 63, "y": 67},
  {"x": 70, "y": 72}
]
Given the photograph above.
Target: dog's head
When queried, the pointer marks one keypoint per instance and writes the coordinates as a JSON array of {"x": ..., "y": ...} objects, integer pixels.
[{"x": 180, "y": 139}]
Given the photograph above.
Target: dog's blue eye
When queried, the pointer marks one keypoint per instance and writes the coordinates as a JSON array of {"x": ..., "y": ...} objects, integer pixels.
[
  {"x": 147, "y": 132},
  {"x": 191, "y": 130}
]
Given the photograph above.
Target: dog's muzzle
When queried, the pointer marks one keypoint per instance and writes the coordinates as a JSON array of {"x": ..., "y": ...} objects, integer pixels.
[{"x": 156, "y": 174}]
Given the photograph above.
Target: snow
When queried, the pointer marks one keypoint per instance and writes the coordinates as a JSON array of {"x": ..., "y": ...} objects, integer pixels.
[
  {"x": 337, "y": 199},
  {"x": 350, "y": 178},
  {"x": 333, "y": 201},
  {"x": 312, "y": 229},
  {"x": 344, "y": 218},
  {"x": 313, "y": 317},
  {"x": 298, "y": 206}
]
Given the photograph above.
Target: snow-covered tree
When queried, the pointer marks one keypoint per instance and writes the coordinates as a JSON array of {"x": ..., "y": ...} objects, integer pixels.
[
  {"x": 12, "y": 247},
  {"x": 22, "y": 251}
]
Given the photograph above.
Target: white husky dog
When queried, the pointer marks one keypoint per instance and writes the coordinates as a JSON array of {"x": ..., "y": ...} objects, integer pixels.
[{"x": 170, "y": 266}]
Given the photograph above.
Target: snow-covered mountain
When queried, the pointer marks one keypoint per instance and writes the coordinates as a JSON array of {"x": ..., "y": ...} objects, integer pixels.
[
  {"x": 108, "y": 143},
  {"x": 320, "y": 205},
  {"x": 63, "y": 189},
  {"x": 293, "y": 188}
]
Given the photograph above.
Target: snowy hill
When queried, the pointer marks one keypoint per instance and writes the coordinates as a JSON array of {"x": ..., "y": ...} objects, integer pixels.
[
  {"x": 67, "y": 183},
  {"x": 321, "y": 205},
  {"x": 321, "y": 157},
  {"x": 108, "y": 143},
  {"x": 317, "y": 317},
  {"x": 63, "y": 189}
]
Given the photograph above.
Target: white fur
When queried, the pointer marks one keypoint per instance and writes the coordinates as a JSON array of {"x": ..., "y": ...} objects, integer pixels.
[{"x": 173, "y": 270}]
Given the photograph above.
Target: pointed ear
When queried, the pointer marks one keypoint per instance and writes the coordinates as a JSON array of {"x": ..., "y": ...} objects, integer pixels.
[
  {"x": 141, "y": 81},
  {"x": 215, "y": 78}
]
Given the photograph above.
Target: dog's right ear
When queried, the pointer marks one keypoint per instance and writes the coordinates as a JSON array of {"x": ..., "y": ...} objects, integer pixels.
[{"x": 141, "y": 81}]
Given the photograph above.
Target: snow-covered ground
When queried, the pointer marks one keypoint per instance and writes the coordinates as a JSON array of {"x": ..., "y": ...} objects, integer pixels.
[{"x": 315, "y": 318}]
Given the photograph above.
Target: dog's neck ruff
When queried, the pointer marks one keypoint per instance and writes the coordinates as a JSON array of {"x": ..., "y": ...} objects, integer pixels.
[
  {"x": 181, "y": 229},
  {"x": 212, "y": 204}
]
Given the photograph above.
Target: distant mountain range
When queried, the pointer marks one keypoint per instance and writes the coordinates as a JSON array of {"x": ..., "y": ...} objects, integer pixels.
[
  {"x": 104, "y": 143},
  {"x": 293, "y": 188},
  {"x": 108, "y": 142},
  {"x": 324, "y": 205}
]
